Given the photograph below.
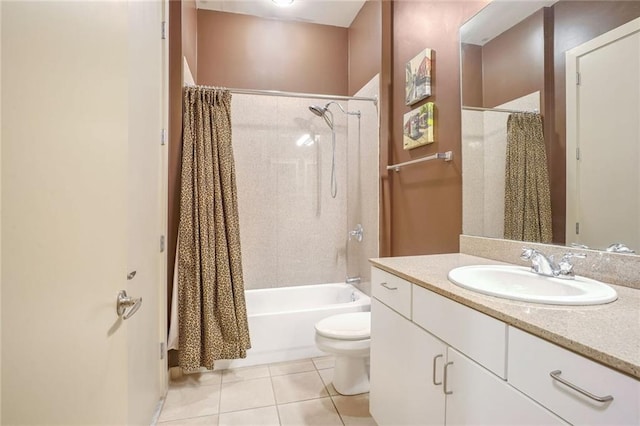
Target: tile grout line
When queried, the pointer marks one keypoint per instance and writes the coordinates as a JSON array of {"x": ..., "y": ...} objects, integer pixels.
[
  {"x": 273, "y": 389},
  {"x": 326, "y": 386},
  {"x": 219, "y": 398}
]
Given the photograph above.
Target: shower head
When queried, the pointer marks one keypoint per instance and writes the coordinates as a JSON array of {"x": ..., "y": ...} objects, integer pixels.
[
  {"x": 318, "y": 110},
  {"x": 324, "y": 113}
]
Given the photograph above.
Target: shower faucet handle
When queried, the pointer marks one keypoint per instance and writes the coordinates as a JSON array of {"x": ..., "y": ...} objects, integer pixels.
[{"x": 357, "y": 233}]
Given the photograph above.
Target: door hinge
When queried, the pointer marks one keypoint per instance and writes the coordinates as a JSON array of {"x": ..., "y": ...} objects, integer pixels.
[
  {"x": 162, "y": 243},
  {"x": 164, "y": 30},
  {"x": 577, "y": 153},
  {"x": 578, "y": 81},
  {"x": 163, "y": 137},
  {"x": 163, "y": 350},
  {"x": 577, "y": 228}
]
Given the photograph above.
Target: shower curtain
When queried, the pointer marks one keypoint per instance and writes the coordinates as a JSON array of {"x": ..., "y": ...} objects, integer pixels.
[
  {"x": 212, "y": 316},
  {"x": 527, "y": 206}
]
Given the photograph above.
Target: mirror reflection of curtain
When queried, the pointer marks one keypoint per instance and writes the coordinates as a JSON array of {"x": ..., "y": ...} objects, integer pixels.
[
  {"x": 212, "y": 314},
  {"x": 527, "y": 206}
]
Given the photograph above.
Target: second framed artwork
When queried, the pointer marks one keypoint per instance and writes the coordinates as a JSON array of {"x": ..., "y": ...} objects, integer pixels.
[
  {"x": 418, "y": 77},
  {"x": 418, "y": 127}
]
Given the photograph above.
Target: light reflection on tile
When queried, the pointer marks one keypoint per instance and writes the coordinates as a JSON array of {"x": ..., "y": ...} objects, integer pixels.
[
  {"x": 202, "y": 421},
  {"x": 354, "y": 410},
  {"x": 324, "y": 362},
  {"x": 319, "y": 412},
  {"x": 247, "y": 394},
  {"x": 291, "y": 367},
  {"x": 266, "y": 416},
  {"x": 185, "y": 402},
  {"x": 298, "y": 387},
  {"x": 245, "y": 373}
]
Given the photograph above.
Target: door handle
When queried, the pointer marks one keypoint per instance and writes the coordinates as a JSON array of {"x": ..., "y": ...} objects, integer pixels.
[
  {"x": 435, "y": 358},
  {"x": 555, "y": 375},
  {"x": 127, "y": 306},
  {"x": 444, "y": 388}
]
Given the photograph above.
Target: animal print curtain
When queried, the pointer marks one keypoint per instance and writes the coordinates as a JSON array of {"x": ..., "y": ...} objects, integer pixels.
[
  {"x": 212, "y": 314},
  {"x": 527, "y": 203}
]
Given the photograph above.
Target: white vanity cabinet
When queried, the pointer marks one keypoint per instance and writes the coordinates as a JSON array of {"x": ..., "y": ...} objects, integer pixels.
[{"x": 410, "y": 359}]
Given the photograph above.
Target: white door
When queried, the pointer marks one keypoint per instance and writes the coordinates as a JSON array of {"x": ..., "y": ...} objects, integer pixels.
[
  {"x": 603, "y": 139},
  {"x": 81, "y": 170}
]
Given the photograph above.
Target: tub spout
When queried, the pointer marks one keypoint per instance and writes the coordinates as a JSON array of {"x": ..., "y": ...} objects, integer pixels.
[{"x": 352, "y": 280}]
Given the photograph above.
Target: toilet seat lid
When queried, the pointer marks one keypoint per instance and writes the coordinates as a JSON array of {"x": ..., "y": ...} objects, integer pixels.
[{"x": 351, "y": 326}]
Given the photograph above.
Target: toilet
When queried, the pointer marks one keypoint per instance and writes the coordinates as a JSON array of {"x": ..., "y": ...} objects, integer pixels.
[{"x": 348, "y": 337}]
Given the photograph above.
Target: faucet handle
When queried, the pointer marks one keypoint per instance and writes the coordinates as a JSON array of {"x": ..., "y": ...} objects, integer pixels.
[
  {"x": 527, "y": 253},
  {"x": 565, "y": 267}
]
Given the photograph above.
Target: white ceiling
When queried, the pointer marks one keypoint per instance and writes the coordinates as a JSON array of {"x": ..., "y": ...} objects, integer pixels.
[
  {"x": 497, "y": 17},
  {"x": 339, "y": 13}
]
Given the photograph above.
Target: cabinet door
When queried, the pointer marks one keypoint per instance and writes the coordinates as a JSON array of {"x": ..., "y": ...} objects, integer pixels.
[
  {"x": 402, "y": 383},
  {"x": 480, "y": 397}
]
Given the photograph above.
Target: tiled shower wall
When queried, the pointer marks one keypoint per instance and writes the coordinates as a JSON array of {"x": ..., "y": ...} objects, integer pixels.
[
  {"x": 484, "y": 151},
  {"x": 363, "y": 175},
  {"x": 292, "y": 231}
]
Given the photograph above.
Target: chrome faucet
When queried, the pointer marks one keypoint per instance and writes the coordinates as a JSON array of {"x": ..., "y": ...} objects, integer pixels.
[
  {"x": 352, "y": 280},
  {"x": 619, "y": 248},
  {"x": 544, "y": 265}
]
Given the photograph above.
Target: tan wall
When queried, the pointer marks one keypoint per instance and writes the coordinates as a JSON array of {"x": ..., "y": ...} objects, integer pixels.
[
  {"x": 471, "y": 55},
  {"x": 190, "y": 35},
  {"x": 365, "y": 42},
  {"x": 244, "y": 51},
  {"x": 513, "y": 62},
  {"x": 425, "y": 201}
]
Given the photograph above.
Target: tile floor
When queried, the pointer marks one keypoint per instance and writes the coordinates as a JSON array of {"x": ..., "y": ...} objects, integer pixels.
[{"x": 294, "y": 393}]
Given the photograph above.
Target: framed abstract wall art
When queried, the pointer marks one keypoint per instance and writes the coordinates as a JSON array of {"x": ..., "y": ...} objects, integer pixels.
[
  {"x": 418, "y": 77},
  {"x": 418, "y": 127}
]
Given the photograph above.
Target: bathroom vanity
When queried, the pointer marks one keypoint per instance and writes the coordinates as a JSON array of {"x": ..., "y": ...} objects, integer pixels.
[{"x": 441, "y": 354}]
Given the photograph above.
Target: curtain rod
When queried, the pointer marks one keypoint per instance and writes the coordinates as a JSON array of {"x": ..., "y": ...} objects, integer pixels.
[
  {"x": 446, "y": 156},
  {"x": 535, "y": 111},
  {"x": 295, "y": 94}
]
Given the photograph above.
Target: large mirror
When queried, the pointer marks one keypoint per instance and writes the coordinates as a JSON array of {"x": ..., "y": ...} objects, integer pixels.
[{"x": 514, "y": 57}]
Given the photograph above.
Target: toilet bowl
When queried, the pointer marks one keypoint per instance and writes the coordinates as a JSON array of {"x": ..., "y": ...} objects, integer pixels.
[{"x": 348, "y": 337}]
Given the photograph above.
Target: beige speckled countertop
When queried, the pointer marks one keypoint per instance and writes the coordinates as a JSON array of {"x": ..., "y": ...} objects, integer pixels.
[{"x": 609, "y": 334}]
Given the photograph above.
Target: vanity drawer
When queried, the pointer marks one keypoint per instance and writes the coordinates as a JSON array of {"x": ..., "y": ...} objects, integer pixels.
[
  {"x": 480, "y": 337},
  {"x": 391, "y": 290},
  {"x": 531, "y": 360}
]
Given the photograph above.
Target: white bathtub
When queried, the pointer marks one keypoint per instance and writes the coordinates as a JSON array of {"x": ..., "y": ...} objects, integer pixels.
[{"x": 281, "y": 320}]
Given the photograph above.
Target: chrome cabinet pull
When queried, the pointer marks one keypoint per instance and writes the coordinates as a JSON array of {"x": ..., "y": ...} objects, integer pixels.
[
  {"x": 555, "y": 375},
  {"x": 435, "y": 358},
  {"x": 444, "y": 388},
  {"x": 127, "y": 306},
  {"x": 385, "y": 285}
]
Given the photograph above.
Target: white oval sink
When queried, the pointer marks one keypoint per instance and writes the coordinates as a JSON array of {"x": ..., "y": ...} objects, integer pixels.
[{"x": 519, "y": 283}]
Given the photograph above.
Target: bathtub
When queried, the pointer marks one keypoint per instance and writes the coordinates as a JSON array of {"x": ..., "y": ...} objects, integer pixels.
[{"x": 281, "y": 320}]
